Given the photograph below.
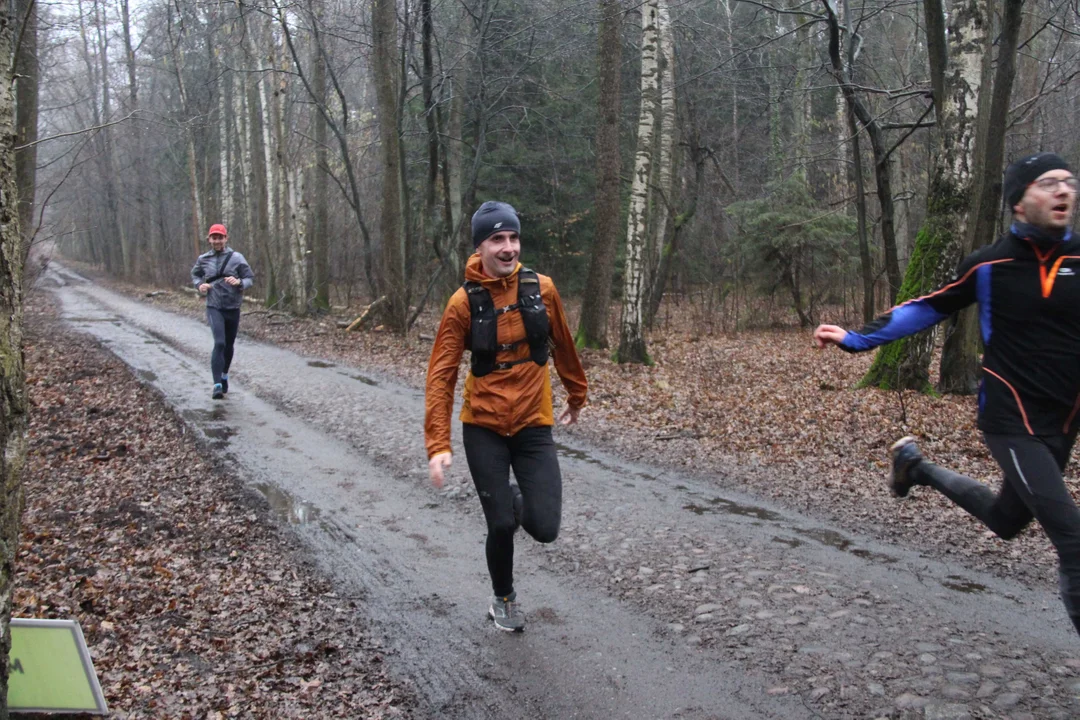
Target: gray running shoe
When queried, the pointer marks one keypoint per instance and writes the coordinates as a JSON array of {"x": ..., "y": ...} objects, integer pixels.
[
  {"x": 519, "y": 504},
  {"x": 506, "y": 614},
  {"x": 218, "y": 392},
  {"x": 905, "y": 455}
]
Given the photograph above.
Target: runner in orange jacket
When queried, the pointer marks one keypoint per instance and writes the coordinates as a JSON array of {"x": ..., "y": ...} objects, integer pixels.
[{"x": 511, "y": 319}]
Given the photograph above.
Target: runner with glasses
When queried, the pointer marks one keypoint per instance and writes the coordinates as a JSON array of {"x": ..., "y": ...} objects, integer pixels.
[{"x": 1027, "y": 286}]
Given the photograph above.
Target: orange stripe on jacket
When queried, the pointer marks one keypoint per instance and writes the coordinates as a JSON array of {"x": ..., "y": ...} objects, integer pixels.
[
  {"x": 954, "y": 283},
  {"x": 1048, "y": 281},
  {"x": 1016, "y": 395},
  {"x": 1076, "y": 406}
]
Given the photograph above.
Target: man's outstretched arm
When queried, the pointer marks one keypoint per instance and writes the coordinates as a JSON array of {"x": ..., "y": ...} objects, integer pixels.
[{"x": 909, "y": 317}]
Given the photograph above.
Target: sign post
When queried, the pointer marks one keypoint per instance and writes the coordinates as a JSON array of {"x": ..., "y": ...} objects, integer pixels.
[{"x": 50, "y": 669}]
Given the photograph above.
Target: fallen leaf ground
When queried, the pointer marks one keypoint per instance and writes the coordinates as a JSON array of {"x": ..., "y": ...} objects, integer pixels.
[{"x": 193, "y": 601}]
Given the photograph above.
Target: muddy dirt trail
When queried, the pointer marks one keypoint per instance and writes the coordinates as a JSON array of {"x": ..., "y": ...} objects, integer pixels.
[{"x": 663, "y": 598}]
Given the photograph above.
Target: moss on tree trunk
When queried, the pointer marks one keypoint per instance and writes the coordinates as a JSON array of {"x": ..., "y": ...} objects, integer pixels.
[{"x": 905, "y": 364}]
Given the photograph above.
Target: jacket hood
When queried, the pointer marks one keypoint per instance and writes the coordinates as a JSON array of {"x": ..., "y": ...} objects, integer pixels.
[{"x": 474, "y": 271}]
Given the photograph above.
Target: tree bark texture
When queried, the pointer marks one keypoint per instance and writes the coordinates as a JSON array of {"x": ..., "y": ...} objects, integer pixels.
[
  {"x": 960, "y": 370},
  {"x": 320, "y": 225},
  {"x": 631, "y": 326},
  {"x": 27, "y": 74},
  {"x": 593, "y": 330},
  {"x": 387, "y": 83},
  {"x": 12, "y": 381},
  {"x": 866, "y": 267}
]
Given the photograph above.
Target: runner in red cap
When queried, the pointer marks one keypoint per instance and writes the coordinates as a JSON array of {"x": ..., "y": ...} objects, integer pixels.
[{"x": 222, "y": 274}]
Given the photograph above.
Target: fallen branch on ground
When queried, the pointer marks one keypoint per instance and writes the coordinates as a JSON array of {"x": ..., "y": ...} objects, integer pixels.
[{"x": 369, "y": 313}]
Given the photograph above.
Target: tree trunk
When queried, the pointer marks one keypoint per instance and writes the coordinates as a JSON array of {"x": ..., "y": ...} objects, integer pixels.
[
  {"x": 662, "y": 193},
  {"x": 244, "y": 162},
  {"x": 192, "y": 162},
  {"x": 940, "y": 244},
  {"x": 139, "y": 242},
  {"x": 866, "y": 267},
  {"x": 225, "y": 157},
  {"x": 430, "y": 218},
  {"x": 592, "y": 331},
  {"x": 26, "y": 119},
  {"x": 679, "y": 225},
  {"x": 631, "y": 336},
  {"x": 882, "y": 164},
  {"x": 960, "y": 356},
  {"x": 385, "y": 68},
  {"x": 320, "y": 226},
  {"x": 12, "y": 379},
  {"x": 453, "y": 180}
]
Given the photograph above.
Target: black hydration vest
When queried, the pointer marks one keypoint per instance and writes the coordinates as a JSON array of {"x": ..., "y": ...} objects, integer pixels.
[{"x": 484, "y": 328}]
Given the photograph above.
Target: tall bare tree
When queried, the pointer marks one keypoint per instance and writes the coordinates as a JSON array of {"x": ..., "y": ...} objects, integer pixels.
[
  {"x": 198, "y": 226},
  {"x": 959, "y": 356},
  {"x": 593, "y": 330},
  {"x": 12, "y": 379},
  {"x": 385, "y": 68},
  {"x": 320, "y": 214},
  {"x": 27, "y": 73},
  {"x": 956, "y": 76},
  {"x": 632, "y": 346}
]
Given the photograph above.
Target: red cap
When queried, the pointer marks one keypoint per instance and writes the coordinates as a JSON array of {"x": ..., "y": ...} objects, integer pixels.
[{"x": 217, "y": 229}]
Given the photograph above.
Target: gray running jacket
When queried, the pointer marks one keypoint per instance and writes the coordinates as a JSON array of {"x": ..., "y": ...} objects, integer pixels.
[{"x": 212, "y": 264}]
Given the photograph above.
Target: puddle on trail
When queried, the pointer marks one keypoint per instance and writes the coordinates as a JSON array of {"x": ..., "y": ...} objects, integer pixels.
[
  {"x": 147, "y": 375},
  {"x": 219, "y": 436},
  {"x": 365, "y": 379},
  {"x": 285, "y": 506},
  {"x": 826, "y": 537},
  {"x": 218, "y": 413},
  {"x": 570, "y": 452},
  {"x": 873, "y": 556},
  {"x": 160, "y": 337},
  {"x": 93, "y": 319},
  {"x": 836, "y": 540},
  {"x": 728, "y": 507},
  {"x": 320, "y": 364},
  {"x": 790, "y": 542},
  {"x": 959, "y": 584}
]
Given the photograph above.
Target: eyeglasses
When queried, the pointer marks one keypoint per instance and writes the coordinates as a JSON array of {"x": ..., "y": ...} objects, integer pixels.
[{"x": 1051, "y": 184}]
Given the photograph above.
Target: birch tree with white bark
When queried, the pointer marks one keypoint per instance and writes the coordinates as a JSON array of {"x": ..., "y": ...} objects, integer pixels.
[{"x": 632, "y": 347}]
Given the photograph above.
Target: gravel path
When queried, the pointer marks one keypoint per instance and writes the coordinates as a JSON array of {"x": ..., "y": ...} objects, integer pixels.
[{"x": 665, "y": 596}]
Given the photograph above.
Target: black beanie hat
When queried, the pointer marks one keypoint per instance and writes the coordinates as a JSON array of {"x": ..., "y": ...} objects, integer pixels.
[
  {"x": 493, "y": 217},
  {"x": 1027, "y": 170}
]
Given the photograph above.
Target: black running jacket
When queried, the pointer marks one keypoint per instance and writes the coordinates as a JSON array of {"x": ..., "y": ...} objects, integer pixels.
[{"x": 1029, "y": 314}]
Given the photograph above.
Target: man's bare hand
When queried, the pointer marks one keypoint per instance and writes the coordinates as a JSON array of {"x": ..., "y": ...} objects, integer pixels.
[
  {"x": 204, "y": 288},
  {"x": 232, "y": 281},
  {"x": 826, "y": 335},
  {"x": 437, "y": 465},
  {"x": 569, "y": 416}
]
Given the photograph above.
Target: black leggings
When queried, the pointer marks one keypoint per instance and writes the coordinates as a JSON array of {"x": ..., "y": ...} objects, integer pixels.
[
  {"x": 1033, "y": 488},
  {"x": 532, "y": 454},
  {"x": 224, "y": 324}
]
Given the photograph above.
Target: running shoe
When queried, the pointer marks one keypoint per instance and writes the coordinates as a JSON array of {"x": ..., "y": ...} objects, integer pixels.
[
  {"x": 224, "y": 384},
  {"x": 506, "y": 614},
  {"x": 218, "y": 392},
  {"x": 905, "y": 456}
]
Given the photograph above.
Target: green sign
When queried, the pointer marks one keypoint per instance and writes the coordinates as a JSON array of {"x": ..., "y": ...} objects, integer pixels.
[{"x": 50, "y": 669}]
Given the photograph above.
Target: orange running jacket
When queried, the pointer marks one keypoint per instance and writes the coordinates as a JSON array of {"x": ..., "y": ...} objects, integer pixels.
[{"x": 505, "y": 401}]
